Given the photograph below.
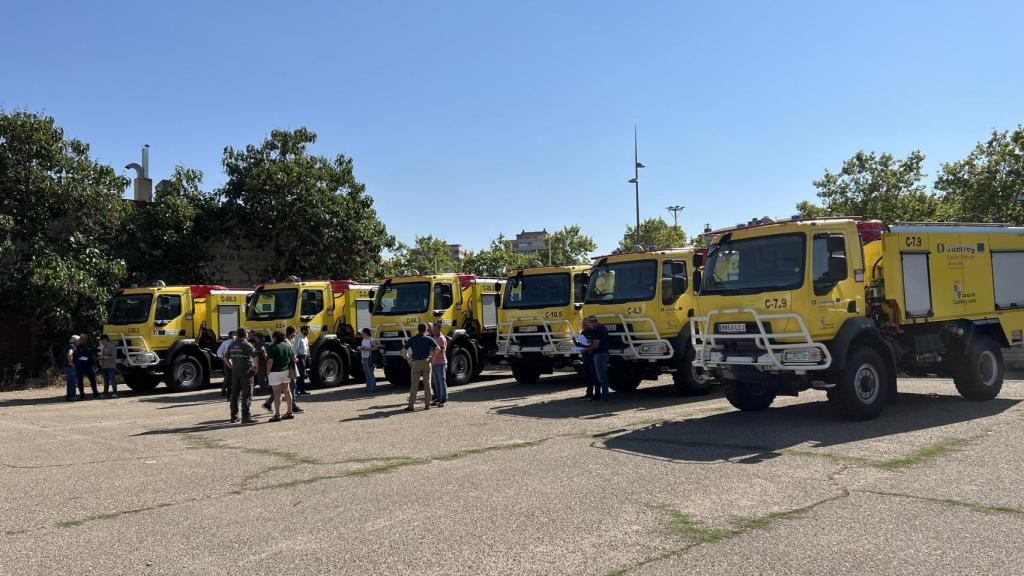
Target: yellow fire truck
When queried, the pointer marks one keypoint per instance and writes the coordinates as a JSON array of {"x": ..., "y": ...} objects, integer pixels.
[
  {"x": 465, "y": 304},
  {"x": 645, "y": 299},
  {"x": 171, "y": 333},
  {"x": 540, "y": 313},
  {"x": 843, "y": 304},
  {"x": 334, "y": 310}
]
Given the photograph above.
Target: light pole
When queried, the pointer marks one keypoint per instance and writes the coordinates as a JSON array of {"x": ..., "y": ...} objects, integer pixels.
[
  {"x": 675, "y": 210},
  {"x": 635, "y": 180}
]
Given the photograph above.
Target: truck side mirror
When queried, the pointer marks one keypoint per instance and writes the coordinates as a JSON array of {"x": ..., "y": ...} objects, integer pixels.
[
  {"x": 678, "y": 285},
  {"x": 696, "y": 280},
  {"x": 373, "y": 294}
]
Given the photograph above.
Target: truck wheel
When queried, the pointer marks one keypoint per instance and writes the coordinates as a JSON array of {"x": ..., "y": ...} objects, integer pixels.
[
  {"x": 186, "y": 374},
  {"x": 328, "y": 370},
  {"x": 749, "y": 396},
  {"x": 141, "y": 382},
  {"x": 863, "y": 387},
  {"x": 460, "y": 367},
  {"x": 980, "y": 376},
  {"x": 623, "y": 377},
  {"x": 397, "y": 372},
  {"x": 688, "y": 379},
  {"x": 525, "y": 372}
]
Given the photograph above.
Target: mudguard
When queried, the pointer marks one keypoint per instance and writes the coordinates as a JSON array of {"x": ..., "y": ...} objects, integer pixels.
[{"x": 852, "y": 329}]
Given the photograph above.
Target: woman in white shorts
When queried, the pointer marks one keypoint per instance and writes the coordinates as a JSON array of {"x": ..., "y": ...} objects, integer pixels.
[{"x": 280, "y": 356}]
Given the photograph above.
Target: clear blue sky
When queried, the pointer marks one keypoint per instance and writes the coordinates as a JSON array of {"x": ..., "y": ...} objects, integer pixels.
[{"x": 520, "y": 114}]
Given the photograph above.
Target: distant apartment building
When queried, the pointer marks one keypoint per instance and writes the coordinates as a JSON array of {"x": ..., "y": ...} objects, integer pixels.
[
  {"x": 458, "y": 252},
  {"x": 530, "y": 243}
]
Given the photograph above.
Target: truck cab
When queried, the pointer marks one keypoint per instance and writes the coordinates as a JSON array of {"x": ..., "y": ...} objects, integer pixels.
[
  {"x": 334, "y": 311},
  {"x": 541, "y": 311},
  {"x": 170, "y": 333},
  {"x": 466, "y": 306},
  {"x": 645, "y": 300}
]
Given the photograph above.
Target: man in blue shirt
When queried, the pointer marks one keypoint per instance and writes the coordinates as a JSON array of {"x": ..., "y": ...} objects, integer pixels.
[
  {"x": 417, "y": 352},
  {"x": 598, "y": 351},
  {"x": 69, "y": 367}
]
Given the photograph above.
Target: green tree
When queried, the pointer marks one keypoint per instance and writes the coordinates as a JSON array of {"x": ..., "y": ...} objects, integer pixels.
[
  {"x": 987, "y": 185},
  {"x": 173, "y": 238},
  {"x": 61, "y": 214},
  {"x": 654, "y": 232},
  {"x": 570, "y": 246},
  {"x": 496, "y": 260},
  {"x": 875, "y": 186},
  {"x": 309, "y": 211},
  {"x": 427, "y": 255}
]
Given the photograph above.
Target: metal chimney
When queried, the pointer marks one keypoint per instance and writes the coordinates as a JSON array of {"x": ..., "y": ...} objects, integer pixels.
[{"x": 143, "y": 183}]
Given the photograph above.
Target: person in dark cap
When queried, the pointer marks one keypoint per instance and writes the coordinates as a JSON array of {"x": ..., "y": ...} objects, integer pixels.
[{"x": 241, "y": 359}]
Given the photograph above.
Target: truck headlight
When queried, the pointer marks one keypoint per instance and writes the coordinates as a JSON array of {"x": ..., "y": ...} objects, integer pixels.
[
  {"x": 802, "y": 356},
  {"x": 653, "y": 349},
  {"x": 564, "y": 346}
]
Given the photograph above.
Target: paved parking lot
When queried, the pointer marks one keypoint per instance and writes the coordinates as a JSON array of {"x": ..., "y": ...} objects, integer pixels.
[{"x": 512, "y": 479}]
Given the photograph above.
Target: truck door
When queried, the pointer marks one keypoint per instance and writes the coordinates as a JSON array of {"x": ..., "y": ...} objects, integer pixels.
[
  {"x": 835, "y": 296},
  {"x": 673, "y": 307},
  {"x": 168, "y": 321},
  {"x": 311, "y": 310}
]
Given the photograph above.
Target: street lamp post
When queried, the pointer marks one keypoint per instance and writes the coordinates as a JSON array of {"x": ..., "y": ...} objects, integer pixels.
[
  {"x": 675, "y": 210},
  {"x": 635, "y": 181}
]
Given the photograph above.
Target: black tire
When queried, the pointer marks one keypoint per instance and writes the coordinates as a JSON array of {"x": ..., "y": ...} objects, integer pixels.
[
  {"x": 622, "y": 377},
  {"x": 328, "y": 370},
  {"x": 460, "y": 367},
  {"x": 524, "y": 371},
  {"x": 187, "y": 374},
  {"x": 396, "y": 370},
  {"x": 863, "y": 386},
  {"x": 980, "y": 375},
  {"x": 141, "y": 382},
  {"x": 749, "y": 396},
  {"x": 689, "y": 380}
]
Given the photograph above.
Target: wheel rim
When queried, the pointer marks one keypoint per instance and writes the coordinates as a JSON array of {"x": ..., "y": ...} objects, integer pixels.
[
  {"x": 866, "y": 383},
  {"x": 328, "y": 369},
  {"x": 988, "y": 368},
  {"x": 698, "y": 375},
  {"x": 460, "y": 365},
  {"x": 186, "y": 373}
]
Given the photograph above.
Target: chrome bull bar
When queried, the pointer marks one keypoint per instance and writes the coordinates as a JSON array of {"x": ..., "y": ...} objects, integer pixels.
[
  {"x": 557, "y": 337},
  {"x": 771, "y": 355},
  {"x": 642, "y": 340},
  {"x": 400, "y": 332},
  {"x": 135, "y": 352}
]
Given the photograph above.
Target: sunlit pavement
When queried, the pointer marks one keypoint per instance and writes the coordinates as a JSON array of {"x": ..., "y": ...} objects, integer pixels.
[{"x": 512, "y": 479}]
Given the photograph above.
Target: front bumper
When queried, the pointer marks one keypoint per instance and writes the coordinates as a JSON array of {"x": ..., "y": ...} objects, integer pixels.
[{"x": 724, "y": 345}]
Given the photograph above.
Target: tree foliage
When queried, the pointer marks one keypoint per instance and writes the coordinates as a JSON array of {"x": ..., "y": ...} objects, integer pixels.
[
  {"x": 987, "y": 185},
  {"x": 173, "y": 239},
  {"x": 875, "y": 186},
  {"x": 308, "y": 211},
  {"x": 61, "y": 214},
  {"x": 496, "y": 260},
  {"x": 427, "y": 255},
  {"x": 654, "y": 232},
  {"x": 570, "y": 246}
]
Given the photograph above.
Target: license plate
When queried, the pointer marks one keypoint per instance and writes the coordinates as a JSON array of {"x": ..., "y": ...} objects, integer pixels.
[
  {"x": 527, "y": 329},
  {"x": 738, "y": 328},
  {"x": 389, "y": 334}
]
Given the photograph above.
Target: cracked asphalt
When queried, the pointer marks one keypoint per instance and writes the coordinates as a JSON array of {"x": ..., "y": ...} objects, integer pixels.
[{"x": 512, "y": 479}]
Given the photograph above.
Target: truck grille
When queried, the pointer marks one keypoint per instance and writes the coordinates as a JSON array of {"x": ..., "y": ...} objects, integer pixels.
[{"x": 530, "y": 341}]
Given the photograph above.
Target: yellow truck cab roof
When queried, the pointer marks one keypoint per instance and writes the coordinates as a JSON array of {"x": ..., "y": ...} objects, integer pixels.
[
  {"x": 531, "y": 270},
  {"x": 643, "y": 254}
]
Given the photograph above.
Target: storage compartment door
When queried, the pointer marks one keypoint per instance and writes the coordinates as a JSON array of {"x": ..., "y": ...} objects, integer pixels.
[
  {"x": 363, "y": 314},
  {"x": 227, "y": 320},
  {"x": 490, "y": 311},
  {"x": 1008, "y": 278},
  {"x": 917, "y": 290}
]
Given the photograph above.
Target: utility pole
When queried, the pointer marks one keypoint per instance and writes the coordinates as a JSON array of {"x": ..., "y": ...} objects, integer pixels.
[
  {"x": 635, "y": 180},
  {"x": 675, "y": 210}
]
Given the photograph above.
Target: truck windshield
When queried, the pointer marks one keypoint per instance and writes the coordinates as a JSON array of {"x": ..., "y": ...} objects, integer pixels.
[
  {"x": 537, "y": 291},
  {"x": 130, "y": 308},
  {"x": 633, "y": 281},
  {"x": 754, "y": 265},
  {"x": 405, "y": 298},
  {"x": 274, "y": 304}
]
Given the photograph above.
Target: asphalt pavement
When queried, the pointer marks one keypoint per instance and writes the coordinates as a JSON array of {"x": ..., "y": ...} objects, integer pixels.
[{"x": 512, "y": 479}]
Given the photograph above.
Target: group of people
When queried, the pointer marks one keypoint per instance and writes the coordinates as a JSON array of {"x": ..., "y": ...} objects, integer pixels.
[
  {"x": 82, "y": 360},
  {"x": 279, "y": 365},
  {"x": 427, "y": 354}
]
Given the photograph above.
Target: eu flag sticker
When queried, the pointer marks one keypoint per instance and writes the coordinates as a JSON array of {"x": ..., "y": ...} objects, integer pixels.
[{"x": 981, "y": 246}]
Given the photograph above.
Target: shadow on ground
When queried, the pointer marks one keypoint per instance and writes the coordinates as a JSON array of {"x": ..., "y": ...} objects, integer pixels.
[{"x": 753, "y": 437}]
